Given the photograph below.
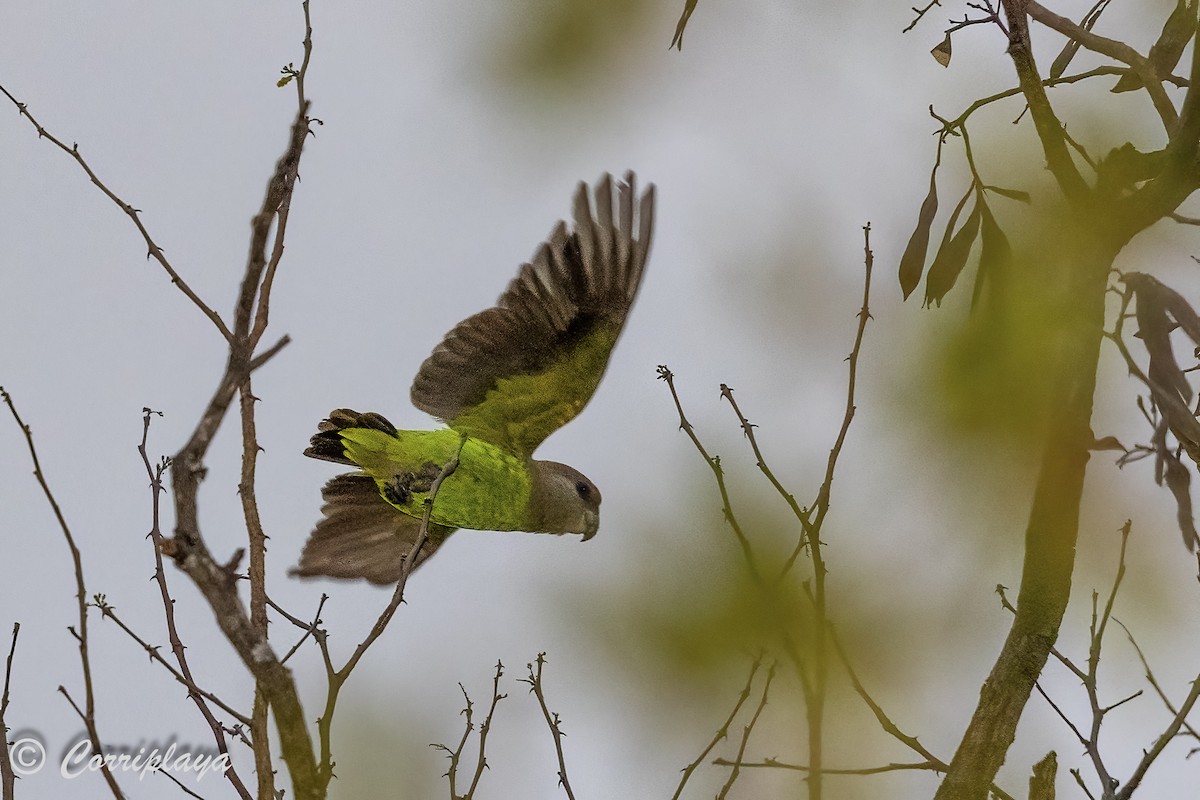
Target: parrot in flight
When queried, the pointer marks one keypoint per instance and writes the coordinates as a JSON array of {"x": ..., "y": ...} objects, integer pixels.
[{"x": 502, "y": 381}]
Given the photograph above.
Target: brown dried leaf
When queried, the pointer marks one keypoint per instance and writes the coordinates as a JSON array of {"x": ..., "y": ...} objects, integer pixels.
[
  {"x": 1179, "y": 480},
  {"x": 1181, "y": 311},
  {"x": 912, "y": 263},
  {"x": 1165, "y": 53},
  {"x": 941, "y": 52},
  {"x": 688, "y": 8},
  {"x": 951, "y": 258},
  {"x": 995, "y": 257},
  {"x": 1109, "y": 443},
  {"x": 1154, "y": 329},
  {"x": 1072, "y": 46}
]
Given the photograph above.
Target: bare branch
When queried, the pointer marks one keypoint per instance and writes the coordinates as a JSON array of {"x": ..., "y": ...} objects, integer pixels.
[
  {"x": 216, "y": 581},
  {"x": 88, "y": 715},
  {"x": 8, "y": 778},
  {"x": 714, "y": 463},
  {"x": 921, "y": 12},
  {"x": 153, "y": 250},
  {"x": 722, "y": 732},
  {"x": 195, "y": 692},
  {"x": 337, "y": 677},
  {"x": 746, "y": 730},
  {"x": 484, "y": 729},
  {"x": 455, "y": 755},
  {"x": 184, "y": 674},
  {"x": 1115, "y": 50},
  {"x": 772, "y": 763},
  {"x": 1049, "y": 128},
  {"x": 821, "y": 504},
  {"x": 1153, "y": 681},
  {"x": 535, "y": 686}
]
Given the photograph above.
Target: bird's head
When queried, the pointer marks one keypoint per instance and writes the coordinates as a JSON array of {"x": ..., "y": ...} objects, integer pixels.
[{"x": 564, "y": 500}]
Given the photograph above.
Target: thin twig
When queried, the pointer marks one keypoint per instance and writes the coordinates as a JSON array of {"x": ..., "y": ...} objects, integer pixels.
[
  {"x": 821, "y": 504},
  {"x": 921, "y": 12},
  {"x": 8, "y": 778},
  {"x": 1054, "y": 651},
  {"x": 216, "y": 581},
  {"x": 772, "y": 763},
  {"x": 109, "y": 612},
  {"x": 1153, "y": 681},
  {"x": 1116, "y": 50},
  {"x": 81, "y": 632},
  {"x": 885, "y": 721},
  {"x": 455, "y": 755},
  {"x": 1151, "y": 754},
  {"x": 153, "y": 250},
  {"x": 484, "y": 729},
  {"x": 714, "y": 463},
  {"x": 802, "y": 515},
  {"x": 336, "y": 678},
  {"x": 722, "y": 732},
  {"x": 746, "y": 730},
  {"x": 183, "y": 674},
  {"x": 555, "y": 724},
  {"x": 1099, "y": 625},
  {"x": 167, "y": 774},
  {"x": 1062, "y": 80},
  {"x": 309, "y": 629}
]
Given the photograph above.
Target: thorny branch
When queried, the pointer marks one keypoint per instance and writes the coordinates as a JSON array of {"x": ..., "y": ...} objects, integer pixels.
[
  {"x": 455, "y": 755},
  {"x": 722, "y": 732},
  {"x": 183, "y": 674},
  {"x": 746, "y": 731},
  {"x": 535, "y": 686},
  {"x": 153, "y": 250},
  {"x": 88, "y": 713},
  {"x": 8, "y": 778},
  {"x": 336, "y": 678}
]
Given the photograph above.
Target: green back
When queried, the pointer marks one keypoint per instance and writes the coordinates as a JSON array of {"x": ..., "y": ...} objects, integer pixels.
[{"x": 489, "y": 490}]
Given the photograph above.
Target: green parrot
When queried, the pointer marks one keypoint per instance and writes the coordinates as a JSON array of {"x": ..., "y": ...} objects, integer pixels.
[{"x": 502, "y": 381}]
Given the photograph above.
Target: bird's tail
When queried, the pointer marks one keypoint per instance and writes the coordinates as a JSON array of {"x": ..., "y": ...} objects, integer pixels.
[
  {"x": 360, "y": 535},
  {"x": 327, "y": 444}
]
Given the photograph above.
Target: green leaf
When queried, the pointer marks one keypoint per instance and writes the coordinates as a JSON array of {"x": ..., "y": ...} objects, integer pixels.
[
  {"x": 912, "y": 263},
  {"x": 951, "y": 258}
]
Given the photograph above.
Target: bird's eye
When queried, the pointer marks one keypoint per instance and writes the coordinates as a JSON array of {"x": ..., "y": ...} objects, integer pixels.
[{"x": 583, "y": 489}]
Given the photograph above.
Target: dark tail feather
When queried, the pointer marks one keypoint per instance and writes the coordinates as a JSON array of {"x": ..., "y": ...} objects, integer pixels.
[
  {"x": 361, "y": 535},
  {"x": 326, "y": 443}
]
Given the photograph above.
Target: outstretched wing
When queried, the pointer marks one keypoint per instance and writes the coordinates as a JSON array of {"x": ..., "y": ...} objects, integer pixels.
[{"x": 515, "y": 373}]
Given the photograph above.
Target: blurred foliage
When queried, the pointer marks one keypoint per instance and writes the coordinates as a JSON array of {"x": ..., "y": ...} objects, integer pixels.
[
  {"x": 552, "y": 45},
  {"x": 692, "y": 608},
  {"x": 376, "y": 757},
  {"x": 993, "y": 370}
]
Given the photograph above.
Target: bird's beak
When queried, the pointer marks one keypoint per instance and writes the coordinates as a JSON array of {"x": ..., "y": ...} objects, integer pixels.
[{"x": 591, "y": 524}]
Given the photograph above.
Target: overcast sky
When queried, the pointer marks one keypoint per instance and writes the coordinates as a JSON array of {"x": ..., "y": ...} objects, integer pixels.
[{"x": 453, "y": 135}]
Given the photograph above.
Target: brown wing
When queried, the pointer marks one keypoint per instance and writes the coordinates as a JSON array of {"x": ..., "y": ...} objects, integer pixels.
[
  {"x": 515, "y": 373},
  {"x": 361, "y": 536}
]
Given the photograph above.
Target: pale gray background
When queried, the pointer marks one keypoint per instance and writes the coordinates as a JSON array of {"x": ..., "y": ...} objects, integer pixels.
[{"x": 779, "y": 131}]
